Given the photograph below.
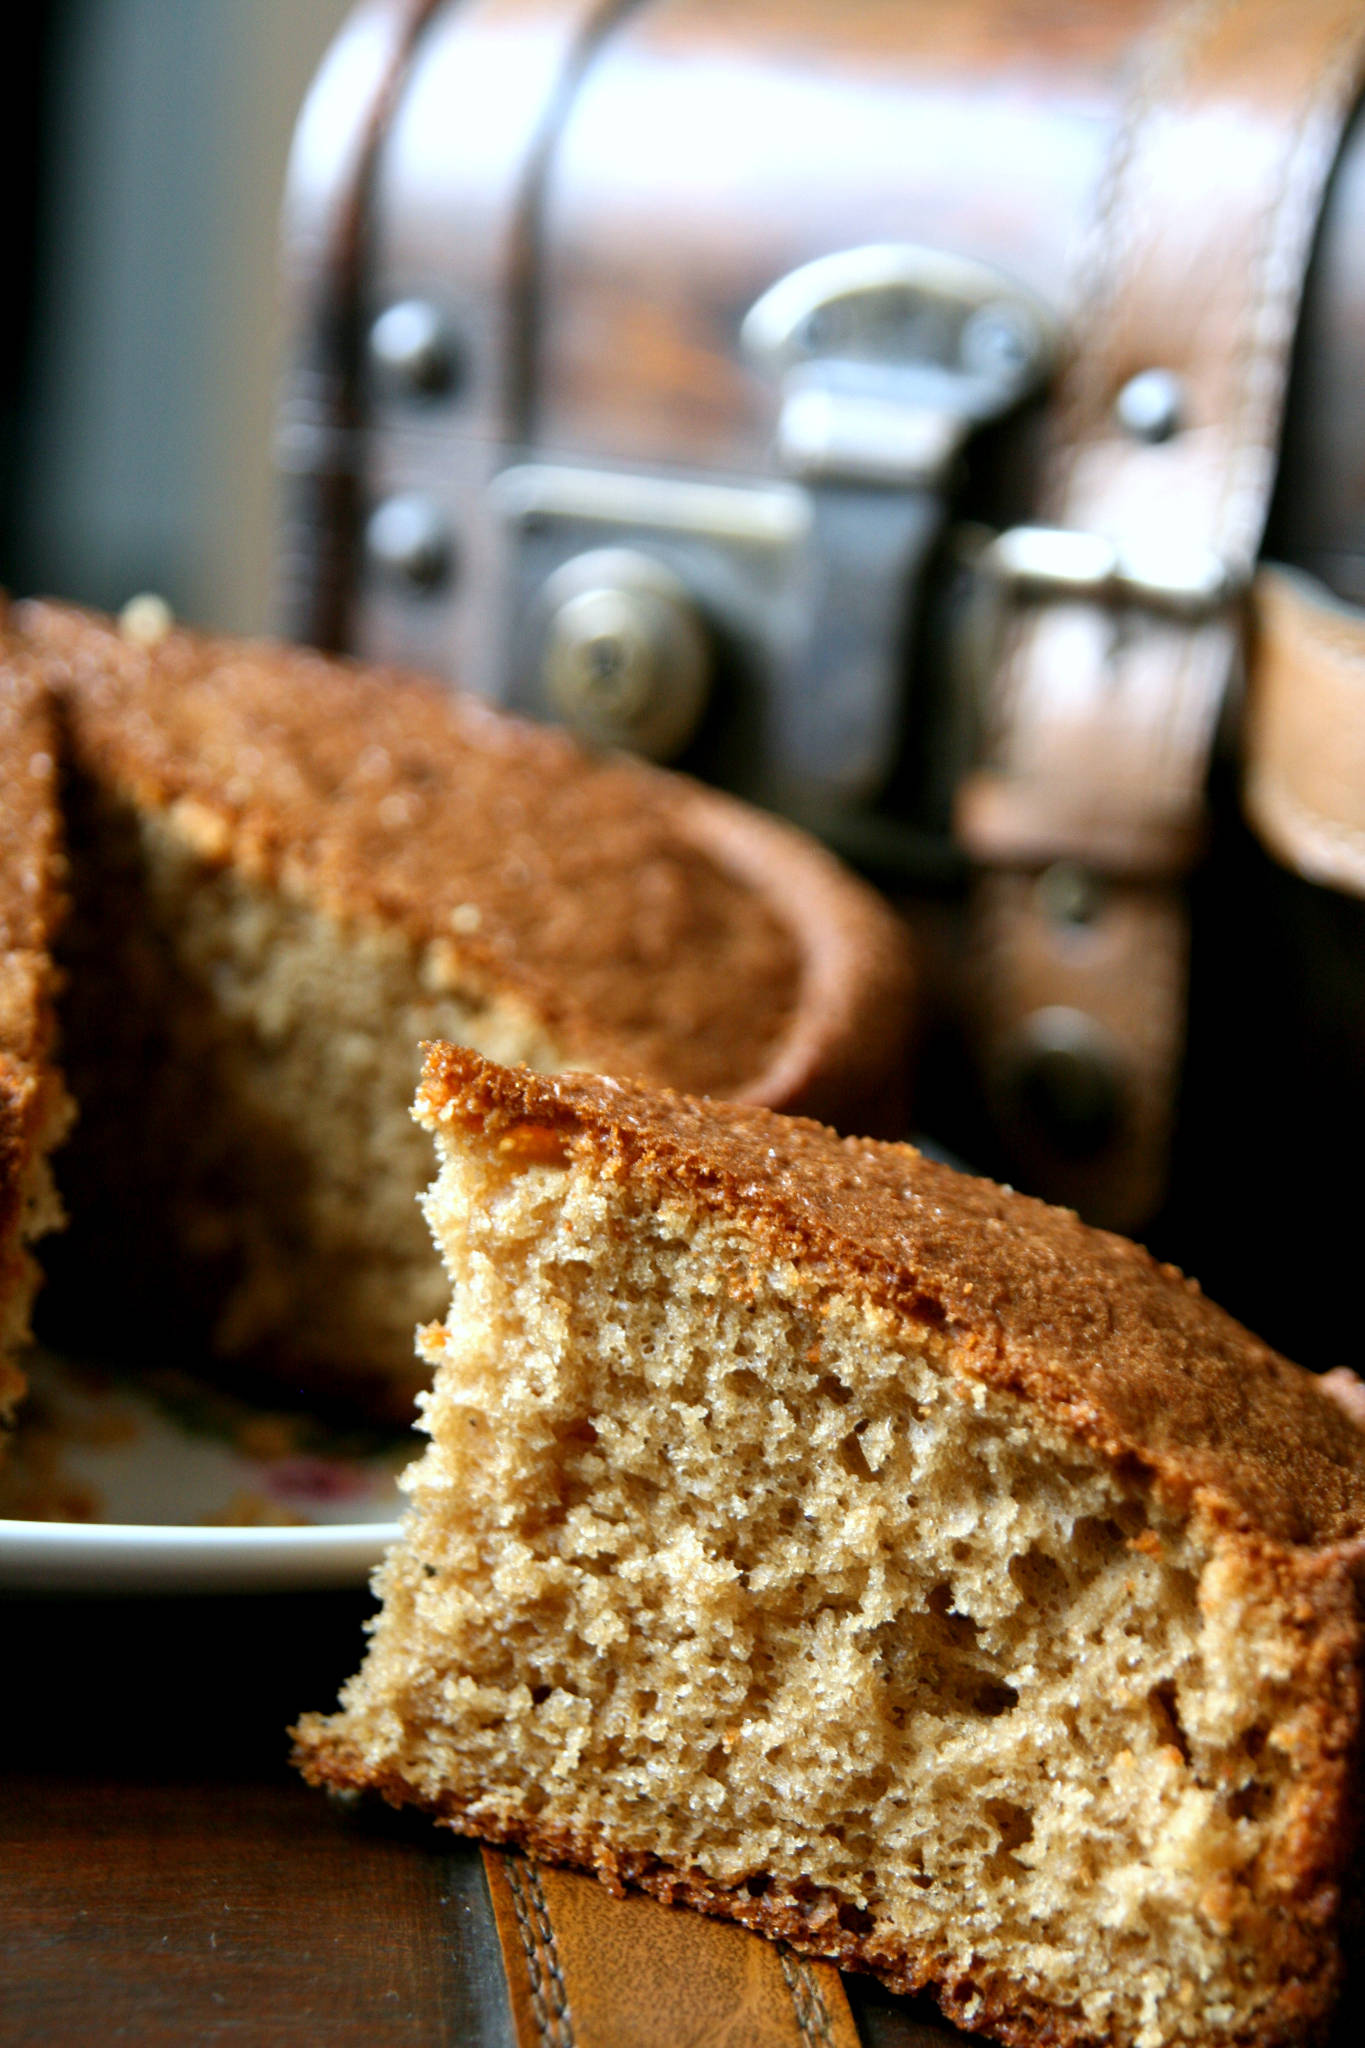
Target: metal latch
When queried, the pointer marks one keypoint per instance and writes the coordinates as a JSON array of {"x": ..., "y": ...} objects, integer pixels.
[
  {"x": 1058, "y": 562},
  {"x": 761, "y": 627},
  {"x": 889, "y": 357}
]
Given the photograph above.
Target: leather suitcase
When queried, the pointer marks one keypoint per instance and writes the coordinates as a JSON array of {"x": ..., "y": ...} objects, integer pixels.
[{"x": 887, "y": 411}]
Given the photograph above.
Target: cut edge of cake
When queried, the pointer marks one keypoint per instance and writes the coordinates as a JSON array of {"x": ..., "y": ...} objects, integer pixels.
[
  {"x": 995, "y": 1360},
  {"x": 284, "y": 873},
  {"x": 35, "y": 1111}
]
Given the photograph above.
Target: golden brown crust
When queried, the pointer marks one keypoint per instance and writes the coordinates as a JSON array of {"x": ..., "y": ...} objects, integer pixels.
[
  {"x": 654, "y": 928},
  {"x": 1119, "y": 1349}
]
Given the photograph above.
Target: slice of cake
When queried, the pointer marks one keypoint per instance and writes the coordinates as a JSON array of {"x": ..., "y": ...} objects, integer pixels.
[
  {"x": 819, "y": 1537},
  {"x": 285, "y": 872},
  {"x": 34, "y": 1111}
]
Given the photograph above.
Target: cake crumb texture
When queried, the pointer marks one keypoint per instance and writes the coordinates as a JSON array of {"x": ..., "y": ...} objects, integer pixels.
[
  {"x": 34, "y": 1109},
  {"x": 885, "y": 1561}
]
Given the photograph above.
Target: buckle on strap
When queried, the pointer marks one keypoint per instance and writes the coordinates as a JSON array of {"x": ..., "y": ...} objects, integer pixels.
[{"x": 1058, "y": 562}]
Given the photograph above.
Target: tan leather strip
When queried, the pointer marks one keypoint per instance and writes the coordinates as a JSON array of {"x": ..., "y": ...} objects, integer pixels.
[
  {"x": 1073, "y": 986},
  {"x": 1305, "y": 730},
  {"x": 1203, "y": 240},
  {"x": 1102, "y": 718},
  {"x": 586, "y": 1970}
]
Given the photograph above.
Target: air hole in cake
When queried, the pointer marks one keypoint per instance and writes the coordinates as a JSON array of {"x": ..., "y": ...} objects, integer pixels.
[
  {"x": 833, "y": 1389},
  {"x": 1098, "y": 1533},
  {"x": 852, "y": 1457},
  {"x": 1014, "y": 1823},
  {"x": 1038, "y": 1576},
  {"x": 1166, "y": 1713}
]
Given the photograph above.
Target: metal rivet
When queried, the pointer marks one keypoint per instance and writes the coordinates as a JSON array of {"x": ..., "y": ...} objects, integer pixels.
[
  {"x": 1000, "y": 340},
  {"x": 412, "y": 348},
  {"x": 1062, "y": 1076},
  {"x": 1069, "y": 894},
  {"x": 626, "y": 661},
  {"x": 1151, "y": 406},
  {"x": 407, "y": 537}
]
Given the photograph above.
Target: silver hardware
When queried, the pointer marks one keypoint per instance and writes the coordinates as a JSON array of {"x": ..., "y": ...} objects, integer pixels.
[
  {"x": 1062, "y": 1079},
  {"x": 626, "y": 661},
  {"x": 863, "y": 436},
  {"x": 883, "y": 360},
  {"x": 412, "y": 348},
  {"x": 1055, "y": 562},
  {"x": 1003, "y": 339},
  {"x": 407, "y": 537},
  {"x": 1151, "y": 405},
  {"x": 893, "y": 303},
  {"x": 763, "y": 515},
  {"x": 888, "y": 356}
]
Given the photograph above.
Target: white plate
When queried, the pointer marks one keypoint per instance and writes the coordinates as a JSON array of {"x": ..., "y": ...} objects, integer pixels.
[{"x": 163, "y": 1483}]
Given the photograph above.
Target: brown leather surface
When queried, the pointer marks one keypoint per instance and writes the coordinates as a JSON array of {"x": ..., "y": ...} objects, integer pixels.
[
  {"x": 1305, "y": 730},
  {"x": 1102, "y": 721},
  {"x": 586, "y": 1970},
  {"x": 325, "y": 235},
  {"x": 976, "y": 129},
  {"x": 1122, "y": 969},
  {"x": 599, "y": 192},
  {"x": 454, "y": 214}
]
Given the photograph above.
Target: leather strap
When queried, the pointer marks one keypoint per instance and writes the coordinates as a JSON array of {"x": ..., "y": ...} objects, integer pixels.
[
  {"x": 1305, "y": 730},
  {"x": 326, "y": 249},
  {"x": 586, "y": 1970},
  {"x": 1104, "y": 705}
]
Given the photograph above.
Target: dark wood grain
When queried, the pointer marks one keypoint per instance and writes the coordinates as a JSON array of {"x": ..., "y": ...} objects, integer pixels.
[{"x": 165, "y": 1879}]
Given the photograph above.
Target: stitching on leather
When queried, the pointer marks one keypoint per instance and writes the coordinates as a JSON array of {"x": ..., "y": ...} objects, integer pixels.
[
  {"x": 1279, "y": 275},
  {"x": 1267, "y": 323},
  {"x": 1169, "y": 63},
  {"x": 808, "y": 2000},
  {"x": 545, "y": 1929},
  {"x": 1098, "y": 285},
  {"x": 549, "y": 2003},
  {"x": 1102, "y": 268}
]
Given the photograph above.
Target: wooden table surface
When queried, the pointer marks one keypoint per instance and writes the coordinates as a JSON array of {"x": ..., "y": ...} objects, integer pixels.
[{"x": 166, "y": 1879}]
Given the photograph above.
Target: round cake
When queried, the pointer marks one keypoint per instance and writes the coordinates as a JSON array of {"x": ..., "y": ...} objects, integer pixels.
[{"x": 286, "y": 872}]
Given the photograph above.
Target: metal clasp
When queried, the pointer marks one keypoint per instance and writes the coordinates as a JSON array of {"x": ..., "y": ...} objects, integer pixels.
[
  {"x": 1055, "y": 562},
  {"x": 889, "y": 356}
]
